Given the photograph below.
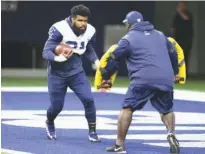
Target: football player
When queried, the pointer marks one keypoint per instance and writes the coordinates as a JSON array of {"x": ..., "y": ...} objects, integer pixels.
[{"x": 66, "y": 70}]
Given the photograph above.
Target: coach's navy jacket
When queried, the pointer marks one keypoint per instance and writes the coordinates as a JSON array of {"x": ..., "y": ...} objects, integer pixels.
[{"x": 148, "y": 53}]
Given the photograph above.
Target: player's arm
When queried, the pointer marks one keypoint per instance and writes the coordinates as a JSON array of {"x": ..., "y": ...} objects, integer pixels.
[
  {"x": 54, "y": 39},
  {"x": 120, "y": 52},
  {"x": 90, "y": 53},
  {"x": 173, "y": 56}
]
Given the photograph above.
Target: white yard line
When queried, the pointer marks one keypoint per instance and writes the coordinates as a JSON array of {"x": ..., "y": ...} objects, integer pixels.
[
  {"x": 178, "y": 94},
  {"x": 13, "y": 151}
]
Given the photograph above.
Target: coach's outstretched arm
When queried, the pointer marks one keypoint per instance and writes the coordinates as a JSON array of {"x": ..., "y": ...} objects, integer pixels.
[
  {"x": 54, "y": 39},
  {"x": 90, "y": 53},
  {"x": 173, "y": 57},
  {"x": 121, "y": 51}
]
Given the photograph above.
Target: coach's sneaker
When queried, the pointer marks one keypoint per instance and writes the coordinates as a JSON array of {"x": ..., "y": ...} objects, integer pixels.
[
  {"x": 116, "y": 148},
  {"x": 174, "y": 144},
  {"x": 93, "y": 137},
  {"x": 50, "y": 131}
]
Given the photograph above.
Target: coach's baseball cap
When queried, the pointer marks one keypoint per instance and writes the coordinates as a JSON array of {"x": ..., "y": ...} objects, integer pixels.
[{"x": 133, "y": 17}]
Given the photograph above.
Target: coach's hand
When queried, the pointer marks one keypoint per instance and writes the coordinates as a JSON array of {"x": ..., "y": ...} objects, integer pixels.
[
  {"x": 106, "y": 84},
  {"x": 60, "y": 58},
  {"x": 176, "y": 78}
]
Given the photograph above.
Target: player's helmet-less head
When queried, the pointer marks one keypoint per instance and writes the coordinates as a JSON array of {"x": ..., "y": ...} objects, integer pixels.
[{"x": 80, "y": 14}]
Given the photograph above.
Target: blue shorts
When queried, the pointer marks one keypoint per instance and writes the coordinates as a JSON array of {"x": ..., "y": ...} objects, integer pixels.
[{"x": 137, "y": 96}]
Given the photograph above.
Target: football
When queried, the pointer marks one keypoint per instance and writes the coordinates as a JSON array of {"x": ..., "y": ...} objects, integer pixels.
[{"x": 63, "y": 48}]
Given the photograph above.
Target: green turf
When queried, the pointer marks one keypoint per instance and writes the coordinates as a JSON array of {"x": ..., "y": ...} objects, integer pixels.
[
  {"x": 198, "y": 85},
  {"x": 10, "y": 81}
]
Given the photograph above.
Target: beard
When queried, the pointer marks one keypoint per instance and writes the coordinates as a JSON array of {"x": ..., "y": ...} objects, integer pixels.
[{"x": 78, "y": 30}]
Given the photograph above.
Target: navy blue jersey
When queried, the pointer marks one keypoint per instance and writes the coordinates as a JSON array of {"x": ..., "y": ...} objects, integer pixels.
[{"x": 63, "y": 32}]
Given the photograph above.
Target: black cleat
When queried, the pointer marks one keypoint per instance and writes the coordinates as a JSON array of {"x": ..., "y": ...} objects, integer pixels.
[
  {"x": 116, "y": 148},
  {"x": 174, "y": 144},
  {"x": 50, "y": 131}
]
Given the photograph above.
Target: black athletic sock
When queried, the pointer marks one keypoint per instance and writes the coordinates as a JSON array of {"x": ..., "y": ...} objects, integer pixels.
[
  {"x": 49, "y": 122},
  {"x": 92, "y": 127}
]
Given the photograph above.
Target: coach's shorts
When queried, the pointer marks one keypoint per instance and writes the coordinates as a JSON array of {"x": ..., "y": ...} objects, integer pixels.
[{"x": 137, "y": 96}]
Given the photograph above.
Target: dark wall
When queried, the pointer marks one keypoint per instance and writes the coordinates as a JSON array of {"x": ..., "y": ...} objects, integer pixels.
[{"x": 28, "y": 26}]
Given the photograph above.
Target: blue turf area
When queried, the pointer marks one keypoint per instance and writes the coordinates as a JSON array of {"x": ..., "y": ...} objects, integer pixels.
[{"x": 24, "y": 113}]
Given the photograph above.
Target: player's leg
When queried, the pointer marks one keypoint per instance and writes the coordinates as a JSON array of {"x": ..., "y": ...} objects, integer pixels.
[
  {"x": 163, "y": 102},
  {"x": 124, "y": 121},
  {"x": 135, "y": 99},
  {"x": 81, "y": 87},
  {"x": 57, "y": 88}
]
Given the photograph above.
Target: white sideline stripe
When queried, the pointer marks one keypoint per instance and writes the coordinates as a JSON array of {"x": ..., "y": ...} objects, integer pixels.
[
  {"x": 182, "y": 144},
  {"x": 14, "y": 151},
  {"x": 178, "y": 94}
]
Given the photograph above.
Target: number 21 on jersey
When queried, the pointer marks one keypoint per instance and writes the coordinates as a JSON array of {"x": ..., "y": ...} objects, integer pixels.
[{"x": 76, "y": 45}]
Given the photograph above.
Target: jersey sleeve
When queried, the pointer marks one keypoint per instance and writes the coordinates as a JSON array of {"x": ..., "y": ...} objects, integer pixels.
[
  {"x": 90, "y": 51},
  {"x": 54, "y": 39}
]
